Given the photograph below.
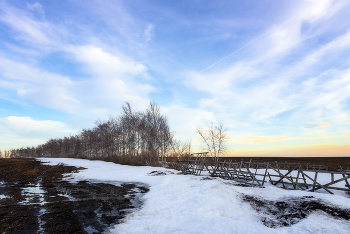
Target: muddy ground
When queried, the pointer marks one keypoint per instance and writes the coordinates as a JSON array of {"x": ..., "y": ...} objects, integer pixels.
[
  {"x": 35, "y": 199},
  {"x": 289, "y": 211}
]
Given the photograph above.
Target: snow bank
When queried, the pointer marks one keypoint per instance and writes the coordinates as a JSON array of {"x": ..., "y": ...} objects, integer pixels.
[{"x": 189, "y": 204}]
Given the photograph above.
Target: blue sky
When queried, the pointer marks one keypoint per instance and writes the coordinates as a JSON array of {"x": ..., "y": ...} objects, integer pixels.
[{"x": 277, "y": 73}]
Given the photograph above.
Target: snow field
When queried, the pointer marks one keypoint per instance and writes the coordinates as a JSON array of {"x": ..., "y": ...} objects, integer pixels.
[{"x": 189, "y": 204}]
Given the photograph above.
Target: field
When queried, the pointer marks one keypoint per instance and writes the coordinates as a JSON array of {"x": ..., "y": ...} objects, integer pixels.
[
  {"x": 35, "y": 198},
  {"x": 330, "y": 161},
  {"x": 164, "y": 201}
]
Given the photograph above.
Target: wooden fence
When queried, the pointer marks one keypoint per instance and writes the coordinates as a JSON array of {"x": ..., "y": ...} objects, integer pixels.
[{"x": 286, "y": 175}]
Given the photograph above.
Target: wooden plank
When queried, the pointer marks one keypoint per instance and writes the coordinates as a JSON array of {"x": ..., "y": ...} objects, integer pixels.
[
  {"x": 334, "y": 182},
  {"x": 315, "y": 182},
  {"x": 304, "y": 181},
  {"x": 297, "y": 179},
  {"x": 267, "y": 167},
  {"x": 281, "y": 176},
  {"x": 346, "y": 181}
]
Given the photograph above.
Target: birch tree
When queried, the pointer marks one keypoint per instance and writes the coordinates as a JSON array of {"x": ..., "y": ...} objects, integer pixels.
[{"x": 214, "y": 137}]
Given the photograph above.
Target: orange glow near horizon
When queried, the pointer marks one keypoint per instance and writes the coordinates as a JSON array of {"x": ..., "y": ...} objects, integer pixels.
[{"x": 321, "y": 150}]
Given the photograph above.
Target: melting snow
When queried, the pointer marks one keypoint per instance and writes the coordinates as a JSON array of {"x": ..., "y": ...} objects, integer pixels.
[{"x": 188, "y": 204}]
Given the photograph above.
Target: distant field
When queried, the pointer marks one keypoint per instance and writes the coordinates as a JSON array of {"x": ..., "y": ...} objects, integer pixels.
[
  {"x": 312, "y": 160},
  {"x": 330, "y": 161}
]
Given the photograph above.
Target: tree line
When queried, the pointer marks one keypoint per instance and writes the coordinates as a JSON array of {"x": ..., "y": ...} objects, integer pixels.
[{"x": 134, "y": 138}]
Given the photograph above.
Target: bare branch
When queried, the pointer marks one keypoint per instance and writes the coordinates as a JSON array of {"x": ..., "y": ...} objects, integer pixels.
[{"x": 214, "y": 137}]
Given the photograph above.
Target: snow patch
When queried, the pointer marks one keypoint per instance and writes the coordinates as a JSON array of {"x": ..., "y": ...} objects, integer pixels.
[{"x": 188, "y": 204}]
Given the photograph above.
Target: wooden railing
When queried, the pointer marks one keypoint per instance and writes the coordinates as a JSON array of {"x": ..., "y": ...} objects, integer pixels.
[{"x": 286, "y": 175}]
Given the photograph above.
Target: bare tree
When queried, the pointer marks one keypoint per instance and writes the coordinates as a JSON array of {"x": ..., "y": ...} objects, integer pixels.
[
  {"x": 214, "y": 137},
  {"x": 139, "y": 138},
  {"x": 180, "y": 149}
]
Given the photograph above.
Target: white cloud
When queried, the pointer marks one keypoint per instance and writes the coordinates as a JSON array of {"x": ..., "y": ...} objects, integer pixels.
[
  {"x": 313, "y": 10},
  {"x": 45, "y": 88},
  {"x": 113, "y": 79},
  {"x": 16, "y": 132},
  {"x": 26, "y": 27},
  {"x": 325, "y": 96},
  {"x": 288, "y": 35},
  {"x": 334, "y": 46},
  {"x": 36, "y": 7},
  {"x": 149, "y": 32},
  {"x": 22, "y": 72},
  {"x": 102, "y": 63},
  {"x": 185, "y": 120},
  {"x": 262, "y": 87},
  {"x": 125, "y": 31},
  {"x": 26, "y": 127},
  {"x": 218, "y": 82},
  {"x": 256, "y": 87},
  {"x": 240, "y": 92}
]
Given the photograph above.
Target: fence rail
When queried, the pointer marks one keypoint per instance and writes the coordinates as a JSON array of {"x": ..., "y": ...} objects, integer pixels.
[{"x": 286, "y": 175}]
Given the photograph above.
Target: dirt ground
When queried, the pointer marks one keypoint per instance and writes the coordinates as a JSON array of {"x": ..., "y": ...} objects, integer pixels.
[
  {"x": 287, "y": 212},
  {"x": 35, "y": 199}
]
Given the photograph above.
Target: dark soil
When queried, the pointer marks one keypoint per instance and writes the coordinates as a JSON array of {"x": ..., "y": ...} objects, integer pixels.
[
  {"x": 35, "y": 199},
  {"x": 290, "y": 211},
  {"x": 160, "y": 173}
]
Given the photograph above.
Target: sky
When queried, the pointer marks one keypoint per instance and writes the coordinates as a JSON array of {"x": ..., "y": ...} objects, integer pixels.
[{"x": 276, "y": 73}]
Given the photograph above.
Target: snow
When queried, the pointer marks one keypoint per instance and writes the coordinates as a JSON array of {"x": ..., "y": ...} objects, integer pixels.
[{"x": 195, "y": 204}]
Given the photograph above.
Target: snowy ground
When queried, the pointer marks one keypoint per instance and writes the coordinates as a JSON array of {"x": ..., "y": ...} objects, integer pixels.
[{"x": 188, "y": 204}]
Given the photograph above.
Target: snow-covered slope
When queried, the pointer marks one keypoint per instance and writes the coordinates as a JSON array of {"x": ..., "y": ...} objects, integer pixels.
[{"x": 189, "y": 204}]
